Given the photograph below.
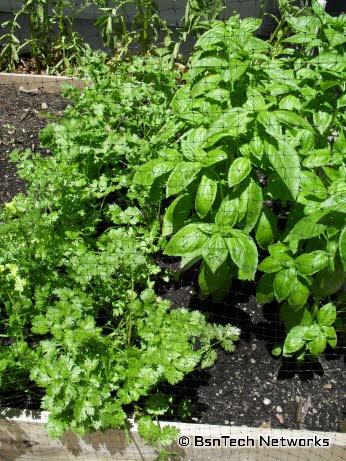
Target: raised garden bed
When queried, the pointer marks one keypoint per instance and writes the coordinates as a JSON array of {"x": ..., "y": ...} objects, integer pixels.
[
  {"x": 32, "y": 83},
  {"x": 249, "y": 387},
  {"x": 23, "y": 436},
  {"x": 233, "y": 163}
]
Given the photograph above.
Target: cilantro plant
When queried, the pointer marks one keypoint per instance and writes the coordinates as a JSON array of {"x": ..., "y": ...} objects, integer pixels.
[
  {"x": 255, "y": 175},
  {"x": 79, "y": 317}
]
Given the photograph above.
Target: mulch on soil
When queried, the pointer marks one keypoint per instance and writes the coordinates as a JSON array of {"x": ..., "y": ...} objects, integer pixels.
[{"x": 248, "y": 387}]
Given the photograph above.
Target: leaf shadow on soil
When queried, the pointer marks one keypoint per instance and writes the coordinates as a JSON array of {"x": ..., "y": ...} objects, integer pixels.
[{"x": 256, "y": 322}]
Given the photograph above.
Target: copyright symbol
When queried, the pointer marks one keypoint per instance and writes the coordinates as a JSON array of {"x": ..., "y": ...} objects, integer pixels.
[{"x": 184, "y": 441}]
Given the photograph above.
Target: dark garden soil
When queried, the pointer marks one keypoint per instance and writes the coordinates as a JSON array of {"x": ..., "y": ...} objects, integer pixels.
[
  {"x": 248, "y": 387},
  {"x": 22, "y": 115}
]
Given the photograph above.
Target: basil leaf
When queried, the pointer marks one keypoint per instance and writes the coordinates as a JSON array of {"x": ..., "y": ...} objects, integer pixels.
[
  {"x": 290, "y": 102},
  {"x": 204, "y": 85},
  {"x": 299, "y": 294},
  {"x": 196, "y": 136},
  {"x": 311, "y": 186},
  {"x": 327, "y": 282},
  {"x": 317, "y": 345},
  {"x": 186, "y": 240},
  {"x": 182, "y": 175},
  {"x": 189, "y": 259},
  {"x": 212, "y": 37},
  {"x": 307, "y": 140},
  {"x": 218, "y": 94},
  {"x": 283, "y": 283},
  {"x": 329, "y": 61},
  {"x": 285, "y": 162},
  {"x": 214, "y": 252},
  {"x": 255, "y": 101},
  {"x": 291, "y": 118},
  {"x": 228, "y": 213},
  {"x": 292, "y": 317},
  {"x": 317, "y": 158},
  {"x": 214, "y": 156},
  {"x": 232, "y": 123},
  {"x": 335, "y": 38},
  {"x": 310, "y": 263},
  {"x": 330, "y": 334},
  {"x": 147, "y": 173},
  {"x": 250, "y": 203},
  {"x": 336, "y": 202},
  {"x": 205, "y": 197},
  {"x": 237, "y": 68},
  {"x": 211, "y": 282},
  {"x": 239, "y": 170},
  {"x": 244, "y": 254},
  {"x": 271, "y": 123},
  {"x": 192, "y": 152},
  {"x": 326, "y": 315},
  {"x": 182, "y": 101},
  {"x": 207, "y": 63},
  {"x": 266, "y": 228},
  {"x": 322, "y": 120},
  {"x": 265, "y": 290},
  {"x": 170, "y": 155},
  {"x": 275, "y": 262},
  {"x": 342, "y": 247},
  {"x": 312, "y": 332},
  {"x": 277, "y": 248},
  {"x": 304, "y": 23},
  {"x": 256, "y": 147},
  {"x": 294, "y": 340},
  {"x": 254, "y": 205},
  {"x": 176, "y": 214},
  {"x": 307, "y": 227}
]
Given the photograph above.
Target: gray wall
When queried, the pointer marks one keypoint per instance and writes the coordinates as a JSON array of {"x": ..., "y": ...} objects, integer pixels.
[{"x": 172, "y": 10}]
